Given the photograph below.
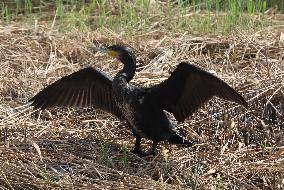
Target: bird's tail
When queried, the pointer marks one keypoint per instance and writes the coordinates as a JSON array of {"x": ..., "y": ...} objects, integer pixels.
[{"x": 179, "y": 139}]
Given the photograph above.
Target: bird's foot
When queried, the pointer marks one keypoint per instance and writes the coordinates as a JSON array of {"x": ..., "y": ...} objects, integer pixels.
[
  {"x": 151, "y": 151},
  {"x": 139, "y": 152}
]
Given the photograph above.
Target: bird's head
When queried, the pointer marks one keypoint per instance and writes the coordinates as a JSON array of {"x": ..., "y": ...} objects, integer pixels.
[{"x": 120, "y": 52}]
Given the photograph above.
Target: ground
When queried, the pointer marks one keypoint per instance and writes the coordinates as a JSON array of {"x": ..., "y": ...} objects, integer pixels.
[{"x": 86, "y": 149}]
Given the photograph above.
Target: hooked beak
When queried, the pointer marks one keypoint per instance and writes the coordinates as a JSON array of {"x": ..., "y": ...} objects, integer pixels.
[{"x": 103, "y": 50}]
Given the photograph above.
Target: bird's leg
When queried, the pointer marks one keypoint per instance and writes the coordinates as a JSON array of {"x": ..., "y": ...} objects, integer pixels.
[
  {"x": 137, "y": 145},
  {"x": 136, "y": 149},
  {"x": 137, "y": 142}
]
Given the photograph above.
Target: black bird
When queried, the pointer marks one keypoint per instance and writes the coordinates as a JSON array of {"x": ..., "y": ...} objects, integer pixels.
[{"x": 142, "y": 108}]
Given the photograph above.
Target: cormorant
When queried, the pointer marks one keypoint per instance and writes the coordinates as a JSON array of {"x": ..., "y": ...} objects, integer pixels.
[{"x": 181, "y": 94}]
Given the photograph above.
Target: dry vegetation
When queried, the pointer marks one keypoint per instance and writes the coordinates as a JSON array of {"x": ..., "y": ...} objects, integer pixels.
[{"x": 84, "y": 149}]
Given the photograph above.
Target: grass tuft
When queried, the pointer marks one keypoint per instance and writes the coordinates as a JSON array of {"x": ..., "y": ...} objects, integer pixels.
[{"x": 197, "y": 16}]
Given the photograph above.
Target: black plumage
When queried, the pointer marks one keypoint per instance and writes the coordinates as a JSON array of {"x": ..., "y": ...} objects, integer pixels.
[{"x": 182, "y": 94}]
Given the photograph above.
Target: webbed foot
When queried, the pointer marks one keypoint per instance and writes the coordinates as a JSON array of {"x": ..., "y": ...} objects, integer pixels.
[{"x": 138, "y": 152}]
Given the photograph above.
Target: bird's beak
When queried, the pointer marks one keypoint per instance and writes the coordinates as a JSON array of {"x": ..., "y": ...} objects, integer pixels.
[
  {"x": 112, "y": 53},
  {"x": 103, "y": 50}
]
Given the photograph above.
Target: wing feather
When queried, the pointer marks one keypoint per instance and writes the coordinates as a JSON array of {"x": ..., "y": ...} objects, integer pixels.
[
  {"x": 188, "y": 88},
  {"x": 87, "y": 87}
]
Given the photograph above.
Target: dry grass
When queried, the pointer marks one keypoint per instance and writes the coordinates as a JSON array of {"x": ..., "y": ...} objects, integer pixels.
[{"x": 83, "y": 149}]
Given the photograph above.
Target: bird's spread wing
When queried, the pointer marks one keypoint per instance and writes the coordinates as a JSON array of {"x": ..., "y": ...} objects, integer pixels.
[
  {"x": 188, "y": 88},
  {"x": 88, "y": 87}
]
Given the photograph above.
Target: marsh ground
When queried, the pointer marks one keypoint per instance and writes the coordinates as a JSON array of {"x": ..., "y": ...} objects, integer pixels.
[{"x": 87, "y": 149}]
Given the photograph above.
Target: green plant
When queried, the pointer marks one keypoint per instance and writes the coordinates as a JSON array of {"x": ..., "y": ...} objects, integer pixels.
[
  {"x": 104, "y": 159},
  {"x": 200, "y": 16},
  {"x": 166, "y": 160},
  {"x": 17, "y": 4},
  {"x": 265, "y": 143},
  {"x": 124, "y": 158},
  {"x": 4, "y": 11},
  {"x": 59, "y": 9},
  {"x": 28, "y": 7}
]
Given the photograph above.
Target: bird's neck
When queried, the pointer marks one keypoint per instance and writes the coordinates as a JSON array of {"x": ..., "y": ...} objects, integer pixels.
[{"x": 129, "y": 68}]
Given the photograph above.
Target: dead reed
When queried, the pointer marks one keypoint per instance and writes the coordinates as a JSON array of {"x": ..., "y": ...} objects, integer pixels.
[{"x": 84, "y": 149}]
